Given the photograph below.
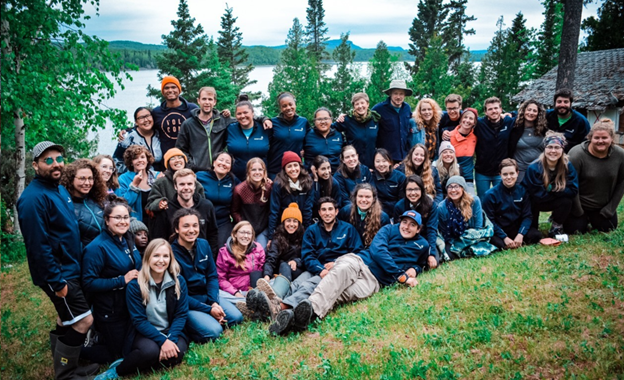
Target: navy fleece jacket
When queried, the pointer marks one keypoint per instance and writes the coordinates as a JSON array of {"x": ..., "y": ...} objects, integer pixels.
[
  {"x": 219, "y": 192},
  {"x": 534, "y": 183},
  {"x": 429, "y": 228},
  {"x": 320, "y": 247},
  {"x": 492, "y": 144},
  {"x": 390, "y": 189},
  {"x": 394, "y": 129},
  {"x": 575, "y": 130},
  {"x": 51, "y": 233},
  {"x": 244, "y": 149},
  {"x": 330, "y": 146},
  {"x": 347, "y": 184},
  {"x": 505, "y": 207},
  {"x": 280, "y": 199},
  {"x": 285, "y": 136},
  {"x": 362, "y": 136}
]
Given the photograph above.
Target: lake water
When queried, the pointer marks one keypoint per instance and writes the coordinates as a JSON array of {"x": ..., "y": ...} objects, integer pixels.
[{"x": 135, "y": 95}]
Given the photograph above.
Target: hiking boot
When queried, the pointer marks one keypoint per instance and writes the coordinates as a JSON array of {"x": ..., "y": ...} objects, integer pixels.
[
  {"x": 264, "y": 307},
  {"x": 264, "y": 286},
  {"x": 283, "y": 322},
  {"x": 304, "y": 314},
  {"x": 242, "y": 307}
]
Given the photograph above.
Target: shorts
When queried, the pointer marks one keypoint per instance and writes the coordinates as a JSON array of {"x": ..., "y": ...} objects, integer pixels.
[{"x": 71, "y": 308}]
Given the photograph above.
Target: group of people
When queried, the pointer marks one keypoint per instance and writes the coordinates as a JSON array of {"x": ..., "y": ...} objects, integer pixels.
[{"x": 199, "y": 220}]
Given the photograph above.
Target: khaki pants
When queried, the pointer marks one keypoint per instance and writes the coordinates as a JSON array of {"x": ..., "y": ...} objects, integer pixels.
[{"x": 349, "y": 280}]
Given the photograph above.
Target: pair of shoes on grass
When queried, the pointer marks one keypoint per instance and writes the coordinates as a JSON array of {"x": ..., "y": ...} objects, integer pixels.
[
  {"x": 297, "y": 319},
  {"x": 258, "y": 306}
]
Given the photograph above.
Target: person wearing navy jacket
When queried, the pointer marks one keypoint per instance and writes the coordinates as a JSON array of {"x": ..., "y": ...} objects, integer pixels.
[
  {"x": 288, "y": 132},
  {"x": 324, "y": 184},
  {"x": 390, "y": 184},
  {"x": 428, "y": 210},
  {"x": 450, "y": 118},
  {"x": 417, "y": 162},
  {"x": 246, "y": 139},
  {"x": 564, "y": 119},
  {"x": 394, "y": 122},
  {"x": 158, "y": 305},
  {"x": 52, "y": 239},
  {"x": 364, "y": 212},
  {"x": 557, "y": 193},
  {"x": 508, "y": 207},
  {"x": 360, "y": 126},
  {"x": 110, "y": 262},
  {"x": 492, "y": 132},
  {"x": 323, "y": 140},
  {"x": 219, "y": 184},
  {"x": 397, "y": 255},
  {"x": 350, "y": 173},
  {"x": 292, "y": 185},
  {"x": 208, "y": 315}
]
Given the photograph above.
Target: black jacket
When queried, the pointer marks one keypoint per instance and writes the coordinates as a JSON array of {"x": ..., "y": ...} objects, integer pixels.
[{"x": 90, "y": 216}]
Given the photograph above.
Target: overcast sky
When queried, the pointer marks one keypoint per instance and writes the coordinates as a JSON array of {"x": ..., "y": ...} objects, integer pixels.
[{"x": 266, "y": 22}]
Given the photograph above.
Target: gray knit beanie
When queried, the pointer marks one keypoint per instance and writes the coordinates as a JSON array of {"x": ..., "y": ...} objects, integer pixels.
[
  {"x": 458, "y": 180},
  {"x": 136, "y": 226}
]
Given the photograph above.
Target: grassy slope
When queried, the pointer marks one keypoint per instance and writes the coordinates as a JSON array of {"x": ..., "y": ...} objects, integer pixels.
[{"x": 537, "y": 312}]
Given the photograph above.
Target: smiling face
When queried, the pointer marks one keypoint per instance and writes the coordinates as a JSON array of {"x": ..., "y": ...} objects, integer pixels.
[
  {"x": 53, "y": 171},
  {"x": 291, "y": 225},
  {"x": 452, "y": 108},
  {"x": 288, "y": 107},
  {"x": 413, "y": 192},
  {"x": 144, "y": 120},
  {"x": 118, "y": 221},
  {"x": 244, "y": 116},
  {"x": 188, "y": 229},
  {"x": 454, "y": 192},
  {"x": 468, "y": 122},
  {"x": 106, "y": 168},
  {"x": 509, "y": 176},
  {"x": 364, "y": 199},
  {"x": 408, "y": 228},
  {"x": 322, "y": 121},
  {"x": 293, "y": 169},
  {"x": 381, "y": 164},
  {"x": 328, "y": 212},
  {"x": 493, "y": 111},
  {"x": 140, "y": 163},
  {"x": 553, "y": 153},
  {"x": 418, "y": 156},
  {"x": 159, "y": 261},
  {"x": 600, "y": 142},
  {"x": 185, "y": 187},
  {"x": 397, "y": 97},
  {"x": 361, "y": 107},
  {"x": 206, "y": 101},
  {"x": 350, "y": 158},
  {"x": 531, "y": 112},
  {"x": 448, "y": 156},
  {"x": 256, "y": 173},
  {"x": 176, "y": 163},
  {"x": 223, "y": 164},
  {"x": 83, "y": 182},
  {"x": 324, "y": 171},
  {"x": 171, "y": 92},
  {"x": 563, "y": 106},
  {"x": 426, "y": 111},
  {"x": 244, "y": 235}
]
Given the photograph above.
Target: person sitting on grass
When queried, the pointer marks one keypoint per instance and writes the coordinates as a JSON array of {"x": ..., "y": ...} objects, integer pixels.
[
  {"x": 284, "y": 255},
  {"x": 508, "y": 206},
  {"x": 158, "y": 305},
  {"x": 364, "y": 212},
  {"x": 552, "y": 183},
  {"x": 350, "y": 173},
  {"x": 390, "y": 184},
  {"x": 397, "y": 255}
]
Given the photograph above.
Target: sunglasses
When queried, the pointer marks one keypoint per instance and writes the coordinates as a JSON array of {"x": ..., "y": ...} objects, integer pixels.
[{"x": 50, "y": 160}]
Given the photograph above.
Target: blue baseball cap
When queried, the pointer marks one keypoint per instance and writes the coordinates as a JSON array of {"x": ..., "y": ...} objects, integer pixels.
[{"x": 413, "y": 215}]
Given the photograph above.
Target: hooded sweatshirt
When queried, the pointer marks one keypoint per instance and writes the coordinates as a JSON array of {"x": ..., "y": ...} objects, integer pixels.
[{"x": 168, "y": 122}]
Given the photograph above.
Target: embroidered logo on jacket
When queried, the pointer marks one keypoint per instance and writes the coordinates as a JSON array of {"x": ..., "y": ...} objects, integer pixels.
[{"x": 341, "y": 237}]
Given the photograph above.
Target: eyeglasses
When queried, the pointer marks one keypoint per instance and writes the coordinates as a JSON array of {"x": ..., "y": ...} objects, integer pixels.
[
  {"x": 119, "y": 218},
  {"x": 85, "y": 179},
  {"x": 453, "y": 187},
  {"x": 50, "y": 160},
  {"x": 106, "y": 167},
  {"x": 141, "y": 118},
  {"x": 322, "y": 119},
  {"x": 416, "y": 190},
  {"x": 244, "y": 233},
  {"x": 453, "y": 109}
]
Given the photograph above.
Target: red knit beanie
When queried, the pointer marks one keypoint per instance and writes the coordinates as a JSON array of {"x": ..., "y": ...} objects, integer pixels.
[
  {"x": 473, "y": 111},
  {"x": 290, "y": 157}
]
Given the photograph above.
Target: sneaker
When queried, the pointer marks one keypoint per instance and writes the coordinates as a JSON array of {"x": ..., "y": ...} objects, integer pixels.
[
  {"x": 264, "y": 286},
  {"x": 283, "y": 322},
  {"x": 303, "y": 314},
  {"x": 242, "y": 307},
  {"x": 115, "y": 363},
  {"x": 554, "y": 231},
  {"x": 108, "y": 375}
]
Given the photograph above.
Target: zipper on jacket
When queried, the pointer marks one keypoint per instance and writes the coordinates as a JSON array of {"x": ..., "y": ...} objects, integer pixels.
[{"x": 92, "y": 214}]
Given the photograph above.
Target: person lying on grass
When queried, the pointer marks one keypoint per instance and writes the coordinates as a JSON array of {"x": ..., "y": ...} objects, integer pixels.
[{"x": 398, "y": 254}]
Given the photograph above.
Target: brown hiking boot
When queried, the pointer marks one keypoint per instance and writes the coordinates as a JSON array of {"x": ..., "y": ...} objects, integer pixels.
[
  {"x": 264, "y": 286},
  {"x": 242, "y": 307}
]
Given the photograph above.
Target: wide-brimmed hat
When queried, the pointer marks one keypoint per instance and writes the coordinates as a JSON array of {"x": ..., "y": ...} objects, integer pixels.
[{"x": 399, "y": 84}]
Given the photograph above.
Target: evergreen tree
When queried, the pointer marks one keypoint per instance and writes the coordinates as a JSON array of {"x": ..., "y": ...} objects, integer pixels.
[
  {"x": 549, "y": 38},
  {"x": 296, "y": 74},
  {"x": 381, "y": 70},
  {"x": 346, "y": 81},
  {"x": 316, "y": 31},
  {"x": 455, "y": 30},
  {"x": 183, "y": 59},
  {"x": 605, "y": 32},
  {"x": 433, "y": 79},
  {"x": 430, "y": 21},
  {"x": 232, "y": 53},
  {"x": 218, "y": 75}
]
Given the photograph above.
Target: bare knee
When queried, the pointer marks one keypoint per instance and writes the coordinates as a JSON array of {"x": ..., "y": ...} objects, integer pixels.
[{"x": 83, "y": 325}]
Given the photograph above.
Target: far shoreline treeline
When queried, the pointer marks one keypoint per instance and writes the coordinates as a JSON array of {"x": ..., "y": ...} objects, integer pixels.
[{"x": 144, "y": 55}]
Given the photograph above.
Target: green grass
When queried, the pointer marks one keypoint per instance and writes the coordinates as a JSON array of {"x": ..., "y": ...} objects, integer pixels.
[{"x": 536, "y": 312}]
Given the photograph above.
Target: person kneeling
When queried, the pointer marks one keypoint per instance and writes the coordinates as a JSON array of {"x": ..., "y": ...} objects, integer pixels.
[
  {"x": 397, "y": 254},
  {"x": 158, "y": 306}
]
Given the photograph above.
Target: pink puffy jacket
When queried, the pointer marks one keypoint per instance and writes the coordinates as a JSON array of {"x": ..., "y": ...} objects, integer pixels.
[{"x": 233, "y": 278}]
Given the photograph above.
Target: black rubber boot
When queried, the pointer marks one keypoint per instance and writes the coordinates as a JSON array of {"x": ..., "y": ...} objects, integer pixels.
[
  {"x": 91, "y": 369},
  {"x": 66, "y": 362},
  {"x": 283, "y": 323}
]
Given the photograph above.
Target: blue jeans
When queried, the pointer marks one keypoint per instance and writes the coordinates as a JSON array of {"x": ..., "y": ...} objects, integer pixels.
[
  {"x": 203, "y": 327},
  {"x": 263, "y": 238},
  {"x": 484, "y": 182}
]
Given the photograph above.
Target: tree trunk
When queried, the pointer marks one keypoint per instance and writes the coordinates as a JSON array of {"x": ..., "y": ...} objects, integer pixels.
[
  {"x": 20, "y": 148},
  {"x": 573, "y": 10}
]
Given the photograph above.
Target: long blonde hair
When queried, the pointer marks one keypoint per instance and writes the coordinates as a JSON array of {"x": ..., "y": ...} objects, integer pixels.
[
  {"x": 238, "y": 251},
  {"x": 433, "y": 123},
  {"x": 145, "y": 275},
  {"x": 445, "y": 173},
  {"x": 424, "y": 171},
  {"x": 561, "y": 167},
  {"x": 464, "y": 205},
  {"x": 263, "y": 182}
]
